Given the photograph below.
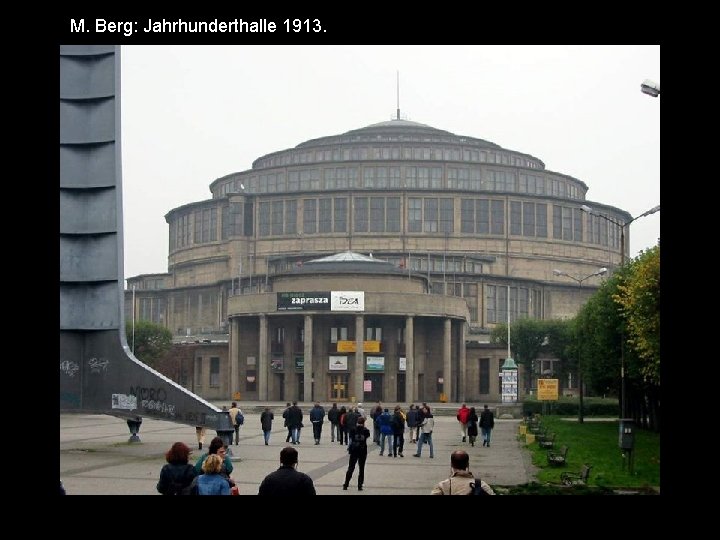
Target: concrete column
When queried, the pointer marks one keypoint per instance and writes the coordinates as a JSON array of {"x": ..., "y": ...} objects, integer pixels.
[
  {"x": 308, "y": 354},
  {"x": 447, "y": 364},
  {"x": 206, "y": 377},
  {"x": 263, "y": 364},
  {"x": 409, "y": 361},
  {"x": 234, "y": 355},
  {"x": 462, "y": 375},
  {"x": 358, "y": 372}
]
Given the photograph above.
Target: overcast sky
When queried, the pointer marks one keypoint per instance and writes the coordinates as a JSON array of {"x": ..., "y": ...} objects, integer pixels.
[{"x": 191, "y": 114}]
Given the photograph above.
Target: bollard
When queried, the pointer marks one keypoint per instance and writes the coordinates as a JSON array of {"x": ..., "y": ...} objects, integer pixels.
[{"x": 134, "y": 426}]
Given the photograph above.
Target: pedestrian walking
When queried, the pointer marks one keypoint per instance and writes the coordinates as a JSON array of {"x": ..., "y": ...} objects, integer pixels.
[
  {"x": 472, "y": 426},
  {"x": 317, "y": 416},
  {"x": 333, "y": 417},
  {"x": 462, "y": 416},
  {"x": 237, "y": 418},
  {"x": 266, "y": 419},
  {"x": 200, "y": 434},
  {"x": 487, "y": 423},
  {"x": 426, "y": 429}
]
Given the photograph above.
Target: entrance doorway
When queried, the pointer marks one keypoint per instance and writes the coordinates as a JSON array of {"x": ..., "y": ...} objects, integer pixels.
[
  {"x": 375, "y": 393},
  {"x": 278, "y": 386},
  {"x": 400, "y": 387},
  {"x": 339, "y": 387}
]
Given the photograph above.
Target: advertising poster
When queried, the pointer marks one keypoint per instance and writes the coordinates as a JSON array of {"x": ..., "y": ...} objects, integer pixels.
[
  {"x": 338, "y": 363},
  {"x": 374, "y": 363}
]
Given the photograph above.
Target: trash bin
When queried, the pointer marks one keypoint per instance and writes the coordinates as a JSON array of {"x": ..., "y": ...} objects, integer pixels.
[
  {"x": 134, "y": 427},
  {"x": 626, "y": 439}
]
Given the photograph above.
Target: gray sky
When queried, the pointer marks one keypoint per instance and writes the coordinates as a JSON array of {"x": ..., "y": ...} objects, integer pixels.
[{"x": 191, "y": 114}]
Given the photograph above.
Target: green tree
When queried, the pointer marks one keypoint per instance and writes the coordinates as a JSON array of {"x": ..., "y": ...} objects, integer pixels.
[
  {"x": 563, "y": 342},
  {"x": 152, "y": 341},
  {"x": 639, "y": 299}
]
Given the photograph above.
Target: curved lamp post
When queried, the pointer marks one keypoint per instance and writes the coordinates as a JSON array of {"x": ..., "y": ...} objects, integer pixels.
[
  {"x": 622, "y": 226},
  {"x": 651, "y": 88},
  {"x": 600, "y": 272}
]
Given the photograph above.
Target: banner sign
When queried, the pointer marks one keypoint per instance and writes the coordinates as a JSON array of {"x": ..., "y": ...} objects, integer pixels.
[
  {"x": 300, "y": 363},
  {"x": 298, "y": 301},
  {"x": 321, "y": 301},
  {"x": 347, "y": 300},
  {"x": 349, "y": 346},
  {"x": 547, "y": 389},
  {"x": 338, "y": 363},
  {"x": 403, "y": 364}
]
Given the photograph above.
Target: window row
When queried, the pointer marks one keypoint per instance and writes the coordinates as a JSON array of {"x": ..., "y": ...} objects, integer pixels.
[
  {"x": 385, "y": 215},
  {"x": 403, "y": 177},
  {"x": 435, "y": 153}
]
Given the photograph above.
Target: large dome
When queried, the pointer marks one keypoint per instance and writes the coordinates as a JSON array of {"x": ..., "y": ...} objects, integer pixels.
[{"x": 389, "y": 132}]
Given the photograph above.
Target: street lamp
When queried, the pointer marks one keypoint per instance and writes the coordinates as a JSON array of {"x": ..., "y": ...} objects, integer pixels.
[
  {"x": 600, "y": 272},
  {"x": 622, "y": 226},
  {"x": 651, "y": 88}
]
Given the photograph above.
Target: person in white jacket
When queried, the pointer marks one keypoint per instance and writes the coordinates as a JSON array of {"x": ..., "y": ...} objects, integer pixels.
[{"x": 426, "y": 429}]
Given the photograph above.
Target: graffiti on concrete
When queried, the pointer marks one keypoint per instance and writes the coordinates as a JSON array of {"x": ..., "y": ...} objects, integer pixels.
[
  {"x": 98, "y": 365},
  {"x": 127, "y": 402},
  {"x": 153, "y": 399},
  {"x": 69, "y": 368}
]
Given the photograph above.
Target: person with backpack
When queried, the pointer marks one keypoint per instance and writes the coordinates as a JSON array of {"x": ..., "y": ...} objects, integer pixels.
[
  {"x": 461, "y": 481},
  {"x": 342, "y": 432},
  {"x": 357, "y": 449},
  {"x": 177, "y": 475},
  {"x": 238, "y": 419}
]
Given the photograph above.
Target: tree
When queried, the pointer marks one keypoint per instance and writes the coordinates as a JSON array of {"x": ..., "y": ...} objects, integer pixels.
[
  {"x": 526, "y": 339},
  {"x": 152, "y": 341},
  {"x": 639, "y": 298},
  {"x": 564, "y": 343}
]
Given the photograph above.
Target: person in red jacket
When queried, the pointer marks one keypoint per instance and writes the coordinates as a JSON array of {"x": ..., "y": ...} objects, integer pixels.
[{"x": 462, "y": 416}]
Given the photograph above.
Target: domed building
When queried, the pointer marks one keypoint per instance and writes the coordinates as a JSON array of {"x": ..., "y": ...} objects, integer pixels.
[{"x": 437, "y": 236}]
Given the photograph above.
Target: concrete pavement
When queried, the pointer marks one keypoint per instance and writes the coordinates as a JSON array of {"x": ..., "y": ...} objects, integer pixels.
[{"x": 96, "y": 458}]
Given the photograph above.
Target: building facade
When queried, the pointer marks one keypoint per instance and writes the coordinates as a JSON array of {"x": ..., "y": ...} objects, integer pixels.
[{"x": 480, "y": 230}]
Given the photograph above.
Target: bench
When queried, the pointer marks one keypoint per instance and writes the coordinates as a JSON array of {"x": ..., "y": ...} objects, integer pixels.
[
  {"x": 536, "y": 427},
  {"x": 545, "y": 441},
  {"x": 576, "y": 478},
  {"x": 556, "y": 459}
]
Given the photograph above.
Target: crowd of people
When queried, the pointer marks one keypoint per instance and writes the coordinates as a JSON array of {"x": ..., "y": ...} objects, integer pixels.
[{"x": 211, "y": 474}]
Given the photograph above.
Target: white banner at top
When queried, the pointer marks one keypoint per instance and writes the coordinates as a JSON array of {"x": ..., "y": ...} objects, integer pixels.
[{"x": 347, "y": 300}]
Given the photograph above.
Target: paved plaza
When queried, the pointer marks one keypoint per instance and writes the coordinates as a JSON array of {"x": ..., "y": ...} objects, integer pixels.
[{"x": 96, "y": 458}]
